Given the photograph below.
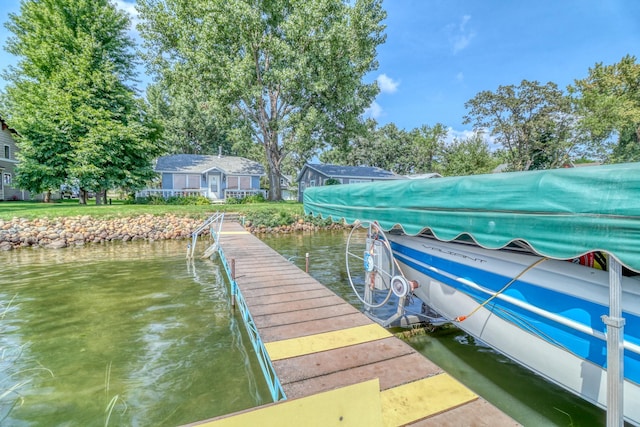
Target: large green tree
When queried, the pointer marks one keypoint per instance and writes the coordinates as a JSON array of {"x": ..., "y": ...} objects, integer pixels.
[
  {"x": 291, "y": 71},
  {"x": 608, "y": 101},
  {"x": 468, "y": 156},
  {"x": 70, "y": 100},
  {"x": 534, "y": 123},
  {"x": 188, "y": 123},
  {"x": 388, "y": 147}
]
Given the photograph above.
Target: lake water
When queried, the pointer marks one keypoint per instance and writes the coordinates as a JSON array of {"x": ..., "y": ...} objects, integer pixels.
[
  {"x": 133, "y": 334},
  {"x": 130, "y": 334}
]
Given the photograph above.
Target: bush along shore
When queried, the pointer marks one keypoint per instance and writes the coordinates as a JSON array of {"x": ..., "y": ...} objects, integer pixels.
[{"x": 76, "y": 231}]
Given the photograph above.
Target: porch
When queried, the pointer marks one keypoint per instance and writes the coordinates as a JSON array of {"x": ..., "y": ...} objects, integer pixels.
[{"x": 229, "y": 192}]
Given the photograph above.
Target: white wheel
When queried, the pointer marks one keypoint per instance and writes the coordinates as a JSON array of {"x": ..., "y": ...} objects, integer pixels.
[
  {"x": 370, "y": 265},
  {"x": 400, "y": 286}
]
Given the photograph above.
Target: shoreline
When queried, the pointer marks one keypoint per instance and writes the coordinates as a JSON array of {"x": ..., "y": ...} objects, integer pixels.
[{"x": 76, "y": 231}]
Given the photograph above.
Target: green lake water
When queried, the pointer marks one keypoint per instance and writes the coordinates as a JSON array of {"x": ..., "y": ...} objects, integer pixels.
[
  {"x": 126, "y": 333},
  {"x": 134, "y": 335}
]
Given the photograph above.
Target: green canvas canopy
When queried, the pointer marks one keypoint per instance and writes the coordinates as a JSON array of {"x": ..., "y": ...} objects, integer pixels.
[{"x": 561, "y": 213}]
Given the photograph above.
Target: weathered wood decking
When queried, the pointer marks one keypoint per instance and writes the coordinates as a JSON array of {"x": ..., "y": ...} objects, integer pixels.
[{"x": 335, "y": 365}]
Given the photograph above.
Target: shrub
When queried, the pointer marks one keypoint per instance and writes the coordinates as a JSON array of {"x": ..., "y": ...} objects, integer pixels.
[
  {"x": 188, "y": 200},
  {"x": 318, "y": 221},
  {"x": 232, "y": 201},
  {"x": 255, "y": 198},
  {"x": 271, "y": 218}
]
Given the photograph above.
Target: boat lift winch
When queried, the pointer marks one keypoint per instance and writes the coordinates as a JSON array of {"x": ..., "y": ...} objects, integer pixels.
[{"x": 379, "y": 284}]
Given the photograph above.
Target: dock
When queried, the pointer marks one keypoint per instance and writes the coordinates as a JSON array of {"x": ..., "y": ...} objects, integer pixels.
[{"x": 328, "y": 364}]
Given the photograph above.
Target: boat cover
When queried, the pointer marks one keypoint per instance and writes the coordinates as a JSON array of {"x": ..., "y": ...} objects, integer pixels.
[{"x": 560, "y": 213}]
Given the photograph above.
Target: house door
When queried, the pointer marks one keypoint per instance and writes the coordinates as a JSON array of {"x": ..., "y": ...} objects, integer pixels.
[
  {"x": 213, "y": 187},
  {"x": 1, "y": 184}
]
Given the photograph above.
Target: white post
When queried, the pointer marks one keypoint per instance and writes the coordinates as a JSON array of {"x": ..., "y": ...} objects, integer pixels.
[{"x": 615, "y": 347}]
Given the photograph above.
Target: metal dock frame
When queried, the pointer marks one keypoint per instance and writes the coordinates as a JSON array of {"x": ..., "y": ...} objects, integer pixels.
[{"x": 270, "y": 376}]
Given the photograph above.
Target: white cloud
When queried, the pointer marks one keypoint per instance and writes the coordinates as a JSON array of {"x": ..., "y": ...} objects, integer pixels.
[
  {"x": 459, "y": 35},
  {"x": 387, "y": 84},
  {"x": 374, "y": 111}
]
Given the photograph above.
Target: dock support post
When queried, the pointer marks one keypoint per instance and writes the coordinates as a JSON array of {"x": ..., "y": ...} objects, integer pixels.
[
  {"x": 233, "y": 278},
  {"x": 615, "y": 347},
  {"x": 306, "y": 263}
]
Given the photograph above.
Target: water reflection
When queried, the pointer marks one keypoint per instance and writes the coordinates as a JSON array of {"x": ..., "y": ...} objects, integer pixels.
[{"x": 126, "y": 331}]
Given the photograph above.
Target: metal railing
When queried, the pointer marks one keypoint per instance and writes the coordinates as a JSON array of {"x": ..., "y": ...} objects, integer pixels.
[
  {"x": 273, "y": 382},
  {"x": 165, "y": 194},
  {"x": 241, "y": 194},
  {"x": 214, "y": 222}
]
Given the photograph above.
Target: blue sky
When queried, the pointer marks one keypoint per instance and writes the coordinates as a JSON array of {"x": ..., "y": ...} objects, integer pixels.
[{"x": 441, "y": 53}]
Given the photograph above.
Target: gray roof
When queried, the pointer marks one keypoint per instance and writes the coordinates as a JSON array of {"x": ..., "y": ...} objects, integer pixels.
[
  {"x": 339, "y": 171},
  {"x": 424, "y": 176},
  {"x": 198, "y": 163}
]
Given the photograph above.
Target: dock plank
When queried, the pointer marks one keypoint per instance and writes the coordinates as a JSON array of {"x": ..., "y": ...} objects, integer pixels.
[{"x": 307, "y": 328}]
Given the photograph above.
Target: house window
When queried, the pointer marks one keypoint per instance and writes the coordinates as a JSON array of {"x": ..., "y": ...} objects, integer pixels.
[
  {"x": 239, "y": 182},
  {"x": 6, "y": 178},
  {"x": 355, "y": 181},
  {"x": 7, "y": 153},
  {"x": 184, "y": 181},
  {"x": 312, "y": 183}
]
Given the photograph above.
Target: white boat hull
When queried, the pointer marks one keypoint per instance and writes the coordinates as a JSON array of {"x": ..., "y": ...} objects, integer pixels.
[{"x": 559, "y": 342}]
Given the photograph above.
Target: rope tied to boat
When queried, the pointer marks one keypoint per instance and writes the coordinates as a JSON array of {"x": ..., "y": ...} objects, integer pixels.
[{"x": 504, "y": 288}]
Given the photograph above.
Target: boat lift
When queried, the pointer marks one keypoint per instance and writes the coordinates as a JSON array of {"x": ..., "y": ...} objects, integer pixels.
[{"x": 378, "y": 282}]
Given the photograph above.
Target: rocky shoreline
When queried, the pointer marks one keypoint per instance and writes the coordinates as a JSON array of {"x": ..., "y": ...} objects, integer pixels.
[{"x": 60, "y": 233}]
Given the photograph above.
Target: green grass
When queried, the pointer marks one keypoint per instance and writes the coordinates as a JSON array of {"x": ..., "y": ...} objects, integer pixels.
[{"x": 70, "y": 208}]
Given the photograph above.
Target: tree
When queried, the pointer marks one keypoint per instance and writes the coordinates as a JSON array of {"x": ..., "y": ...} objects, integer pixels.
[
  {"x": 468, "y": 156},
  {"x": 393, "y": 149},
  {"x": 189, "y": 126},
  {"x": 429, "y": 144},
  {"x": 533, "y": 122},
  {"x": 290, "y": 70},
  {"x": 68, "y": 98},
  {"x": 608, "y": 104}
]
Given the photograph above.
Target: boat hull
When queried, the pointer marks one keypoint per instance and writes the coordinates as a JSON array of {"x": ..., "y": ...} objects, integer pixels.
[{"x": 548, "y": 320}]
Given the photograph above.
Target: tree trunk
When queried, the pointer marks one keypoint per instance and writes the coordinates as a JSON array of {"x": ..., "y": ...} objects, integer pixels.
[
  {"x": 273, "y": 167},
  {"x": 82, "y": 196},
  {"x": 99, "y": 197},
  {"x": 47, "y": 196}
]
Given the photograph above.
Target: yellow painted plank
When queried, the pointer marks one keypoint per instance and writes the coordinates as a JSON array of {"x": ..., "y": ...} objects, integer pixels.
[
  {"x": 352, "y": 406},
  {"x": 414, "y": 401},
  {"x": 326, "y": 341}
]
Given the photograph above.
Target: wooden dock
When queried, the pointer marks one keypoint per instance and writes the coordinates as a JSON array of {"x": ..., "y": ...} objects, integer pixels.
[{"x": 334, "y": 366}]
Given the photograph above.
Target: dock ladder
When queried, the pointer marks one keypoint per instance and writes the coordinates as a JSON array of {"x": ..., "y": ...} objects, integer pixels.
[{"x": 214, "y": 223}]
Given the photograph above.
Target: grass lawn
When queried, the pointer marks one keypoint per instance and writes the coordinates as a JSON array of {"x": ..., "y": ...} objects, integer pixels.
[{"x": 69, "y": 208}]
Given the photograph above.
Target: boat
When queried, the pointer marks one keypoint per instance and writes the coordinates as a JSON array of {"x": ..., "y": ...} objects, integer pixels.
[{"x": 499, "y": 257}]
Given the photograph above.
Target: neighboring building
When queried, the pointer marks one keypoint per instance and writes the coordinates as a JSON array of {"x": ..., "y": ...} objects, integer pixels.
[
  {"x": 215, "y": 177},
  {"x": 8, "y": 162},
  {"x": 424, "y": 176},
  {"x": 313, "y": 175},
  {"x": 288, "y": 187}
]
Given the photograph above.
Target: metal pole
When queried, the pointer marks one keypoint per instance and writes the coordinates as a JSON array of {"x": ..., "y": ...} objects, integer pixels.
[
  {"x": 615, "y": 347},
  {"x": 306, "y": 263},
  {"x": 233, "y": 279}
]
